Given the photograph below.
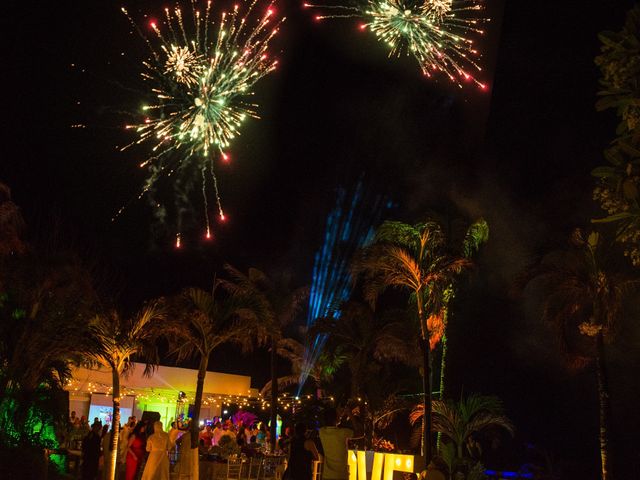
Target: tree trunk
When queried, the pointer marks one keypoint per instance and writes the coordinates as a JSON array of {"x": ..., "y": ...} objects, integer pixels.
[
  {"x": 115, "y": 424},
  {"x": 355, "y": 383},
  {"x": 443, "y": 364},
  {"x": 426, "y": 381},
  {"x": 426, "y": 386},
  {"x": 274, "y": 393},
  {"x": 195, "y": 420},
  {"x": 605, "y": 409}
]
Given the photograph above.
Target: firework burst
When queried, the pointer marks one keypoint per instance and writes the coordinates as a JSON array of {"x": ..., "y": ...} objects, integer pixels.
[
  {"x": 201, "y": 73},
  {"x": 436, "y": 32}
]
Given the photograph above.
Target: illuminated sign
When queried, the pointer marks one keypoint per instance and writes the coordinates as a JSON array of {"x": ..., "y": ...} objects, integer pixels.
[{"x": 383, "y": 463}]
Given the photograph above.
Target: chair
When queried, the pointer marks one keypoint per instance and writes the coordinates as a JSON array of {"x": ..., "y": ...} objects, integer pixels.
[
  {"x": 234, "y": 468},
  {"x": 271, "y": 468},
  {"x": 254, "y": 469},
  {"x": 316, "y": 470}
]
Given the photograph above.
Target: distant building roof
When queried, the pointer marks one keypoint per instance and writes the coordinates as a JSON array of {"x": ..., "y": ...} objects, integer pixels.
[{"x": 163, "y": 378}]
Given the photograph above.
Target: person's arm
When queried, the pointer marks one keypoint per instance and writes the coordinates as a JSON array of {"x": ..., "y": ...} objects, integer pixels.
[
  {"x": 311, "y": 447},
  {"x": 348, "y": 435},
  {"x": 149, "y": 442}
]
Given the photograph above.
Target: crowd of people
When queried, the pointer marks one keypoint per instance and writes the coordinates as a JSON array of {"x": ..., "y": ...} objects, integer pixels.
[{"x": 145, "y": 449}]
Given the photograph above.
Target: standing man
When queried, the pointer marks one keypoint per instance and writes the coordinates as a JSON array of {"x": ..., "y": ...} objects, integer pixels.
[{"x": 334, "y": 443}]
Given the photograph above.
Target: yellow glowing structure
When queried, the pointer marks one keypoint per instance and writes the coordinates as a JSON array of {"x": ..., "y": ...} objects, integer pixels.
[{"x": 383, "y": 464}]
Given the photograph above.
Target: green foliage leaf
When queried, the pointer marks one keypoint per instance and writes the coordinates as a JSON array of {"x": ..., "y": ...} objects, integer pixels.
[
  {"x": 605, "y": 172},
  {"x": 613, "y": 218}
]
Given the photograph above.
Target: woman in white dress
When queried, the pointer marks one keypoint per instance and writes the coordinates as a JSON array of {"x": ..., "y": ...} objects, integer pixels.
[{"x": 157, "y": 467}]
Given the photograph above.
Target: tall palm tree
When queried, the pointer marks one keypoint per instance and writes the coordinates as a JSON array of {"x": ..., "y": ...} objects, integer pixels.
[
  {"x": 363, "y": 336},
  {"x": 411, "y": 257},
  {"x": 114, "y": 340},
  {"x": 279, "y": 306},
  {"x": 584, "y": 301},
  {"x": 475, "y": 236},
  {"x": 458, "y": 421},
  {"x": 202, "y": 322}
]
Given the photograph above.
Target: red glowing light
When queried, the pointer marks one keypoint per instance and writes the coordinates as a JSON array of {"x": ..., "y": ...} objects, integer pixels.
[
  {"x": 208, "y": 234},
  {"x": 152, "y": 24},
  {"x": 225, "y": 157},
  {"x": 483, "y": 86},
  {"x": 222, "y": 217},
  {"x": 269, "y": 12},
  {"x": 178, "y": 242},
  {"x": 362, "y": 26},
  {"x": 318, "y": 18}
]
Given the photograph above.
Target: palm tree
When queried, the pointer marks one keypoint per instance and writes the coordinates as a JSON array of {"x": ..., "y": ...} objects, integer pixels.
[
  {"x": 203, "y": 321},
  {"x": 584, "y": 301},
  {"x": 113, "y": 341},
  {"x": 411, "y": 257},
  {"x": 322, "y": 371},
  {"x": 459, "y": 421},
  {"x": 475, "y": 236},
  {"x": 362, "y": 336},
  {"x": 11, "y": 224},
  {"x": 279, "y": 306}
]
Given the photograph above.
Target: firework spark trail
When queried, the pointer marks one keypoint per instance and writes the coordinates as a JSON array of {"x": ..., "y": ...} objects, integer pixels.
[
  {"x": 201, "y": 85},
  {"x": 436, "y": 32}
]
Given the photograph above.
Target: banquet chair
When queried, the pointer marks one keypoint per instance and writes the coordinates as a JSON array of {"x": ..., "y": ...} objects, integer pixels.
[
  {"x": 316, "y": 470},
  {"x": 272, "y": 468},
  {"x": 254, "y": 469},
  {"x": 234, "y": 468}
]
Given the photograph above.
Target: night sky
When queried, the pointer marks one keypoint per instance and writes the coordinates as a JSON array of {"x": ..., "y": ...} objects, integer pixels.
[{"x": 519, "y": 155}]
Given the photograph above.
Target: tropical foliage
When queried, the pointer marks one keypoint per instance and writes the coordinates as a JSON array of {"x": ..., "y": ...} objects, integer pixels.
[
  {"x": 114, "y": 340},
  {"x": 46, "y": 297},
  {"x": 279, "y": 305},
  {"x": 364, "y": 338},
  {"x": 413, "y": 258},
  {"x": 584, "y": 301},
  {"x": 618, "y": 187},
  {"x": 462, "y": 424},
  {"x": 200, "y": 323},
  {"x": 321, "y": 372}
]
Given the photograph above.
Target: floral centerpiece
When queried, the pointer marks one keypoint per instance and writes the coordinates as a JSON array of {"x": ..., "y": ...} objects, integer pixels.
[{"x": 382, "y": 445}]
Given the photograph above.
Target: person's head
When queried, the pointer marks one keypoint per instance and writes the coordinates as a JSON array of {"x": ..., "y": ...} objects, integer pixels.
[
  {"x": 218, "y": 424},
  {"x": 105, "y": 429},
  {"x": 300, "y": 429},
  {"x": 263, "y": 428},
  {"x": 330, "y": 417},
  {"x": 73, "y": 414},
  {"x": 287, "y": 431},
  {"x": 96, "y": 428},
  {"x": 173, "y": 424},
  {"x": 207, "y": 429},
  {"x": 157, "y": 426},
  {"x": 138, "y": 430}
]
